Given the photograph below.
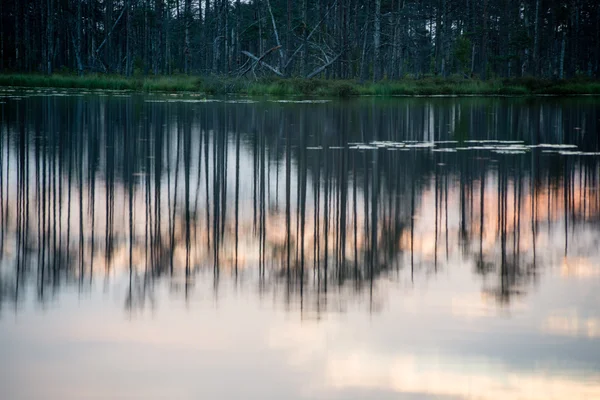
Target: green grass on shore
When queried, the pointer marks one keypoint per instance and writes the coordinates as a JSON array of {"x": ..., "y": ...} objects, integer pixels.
[{"x": 305, "y": 87}]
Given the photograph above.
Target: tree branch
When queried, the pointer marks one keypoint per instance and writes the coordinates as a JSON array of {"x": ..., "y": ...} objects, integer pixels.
[
  {"x": 259, "y": 60},
  {"x": 309, "y": 35},
  {"x": 323, "y": 67},
  {"x": 111, "y": 30},
  {"x": 276, "y": 33}
]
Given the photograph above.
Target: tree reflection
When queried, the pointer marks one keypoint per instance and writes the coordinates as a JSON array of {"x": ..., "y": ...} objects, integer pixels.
[{"x": 275, "y": 194}]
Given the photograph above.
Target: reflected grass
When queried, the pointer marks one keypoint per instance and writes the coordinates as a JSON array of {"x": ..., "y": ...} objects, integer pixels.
[{"x": 278, "y": 87}]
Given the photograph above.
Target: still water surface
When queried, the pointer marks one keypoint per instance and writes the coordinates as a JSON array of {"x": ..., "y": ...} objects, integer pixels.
[{"x": 165, "y": 247}]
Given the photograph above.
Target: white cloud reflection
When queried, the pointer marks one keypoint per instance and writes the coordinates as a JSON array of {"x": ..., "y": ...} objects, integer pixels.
[
  {"x": 468, "y": 379},
  {"x": 570, "y": 323}
]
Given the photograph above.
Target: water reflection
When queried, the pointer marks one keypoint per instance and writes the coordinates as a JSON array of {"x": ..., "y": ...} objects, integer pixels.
[
  {"x": 277, "y": 195},
  {"x": 468, "y": 226}
]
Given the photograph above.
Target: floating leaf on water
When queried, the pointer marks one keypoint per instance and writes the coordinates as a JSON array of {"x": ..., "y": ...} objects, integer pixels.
[
  {"x": 510, "y": 152},
  {"x": 184, "y": 101},
  {"x": 553, "y": 146},
  {"x": 511, "y": 148},
  {"x": 571, "y": 152},
  {"x": 421, "y": 145},
  {"x": 301, "y": 101},
  {"x": 197, "y": 101},
  {"x": 495, "y": 141},
  {"x": 241, "y": 101},
  {"x": 380, "y": 143}
]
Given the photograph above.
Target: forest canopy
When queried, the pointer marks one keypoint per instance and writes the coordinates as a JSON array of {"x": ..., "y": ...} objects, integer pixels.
[{"x": 330, "y": 39}]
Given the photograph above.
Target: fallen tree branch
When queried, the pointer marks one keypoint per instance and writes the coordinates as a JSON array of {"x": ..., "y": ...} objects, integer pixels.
[
  {"x": 323, "y": 67},
  {"x": 242, "y": 70},
  {"x": 111, "y": 30},
  {"x": 259, "y": 60}
]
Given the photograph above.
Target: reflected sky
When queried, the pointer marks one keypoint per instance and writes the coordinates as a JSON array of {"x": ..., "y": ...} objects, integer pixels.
[{"x": 161, "y": 246}]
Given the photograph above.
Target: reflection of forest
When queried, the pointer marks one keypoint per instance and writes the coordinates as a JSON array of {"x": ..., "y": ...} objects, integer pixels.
[{"x": 273, "y": 193}]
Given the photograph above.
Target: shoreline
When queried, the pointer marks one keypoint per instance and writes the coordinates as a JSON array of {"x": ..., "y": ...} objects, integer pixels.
[{"x": 294, "y": 87}]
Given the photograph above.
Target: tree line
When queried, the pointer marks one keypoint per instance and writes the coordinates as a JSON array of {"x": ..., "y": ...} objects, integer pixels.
[{"x": 337, "y": 39}]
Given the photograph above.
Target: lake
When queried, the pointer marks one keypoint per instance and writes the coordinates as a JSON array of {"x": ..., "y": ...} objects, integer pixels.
[{"x": 178, "y": 247}]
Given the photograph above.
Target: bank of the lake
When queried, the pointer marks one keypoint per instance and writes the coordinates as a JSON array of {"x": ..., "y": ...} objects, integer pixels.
[{"x": 305, "y": 87}]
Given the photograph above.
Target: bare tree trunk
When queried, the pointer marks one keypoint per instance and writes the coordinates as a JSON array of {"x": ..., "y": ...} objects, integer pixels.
[
  {"x": 260, "y": 43},
  {"x": 17, "y": 37},
  {"x": 146, "y": 52},
  {"x": 288, "y": 47},
  {"x": 276, "y": 33},
  {"x": 345, "y": 39},
  {"x": 188, "y": 23},
  {"x": 536, "y": 39},
  {"x": 238, "y": 16},
  {"x": 157, "y": 42},
  {"x": 226, "y": 43},
  {"x": 573, "y": 66},
  {"x": 395, "y": 46},
  {"x": 484, "y": 41},
  {"x": 444, "y": 40},
  {"x": 2, "y": 39},
  {"x": 377, "y": 42},
  {"x": 27, "y": 50},
  {"x": 305, "y": 37},
  {"x": 597, "y": 69},
  {"x": 78, "y": 46},
  {"x": 561, "y": 69},
  {"x": 75, "y": 36},
  {"x": 438, "y": 38},
  {"x": 363, "y": 66},
  {"x": 49, "y": 35},
  {"x": 207, "y": 37},
  {"x": 108, "y": 61},
  {"x": 338, "y": 21},
  {"x": 166, "y": 27},
  {"x": 129, "y": 63},
  {"x": 215, "y": 44}
]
